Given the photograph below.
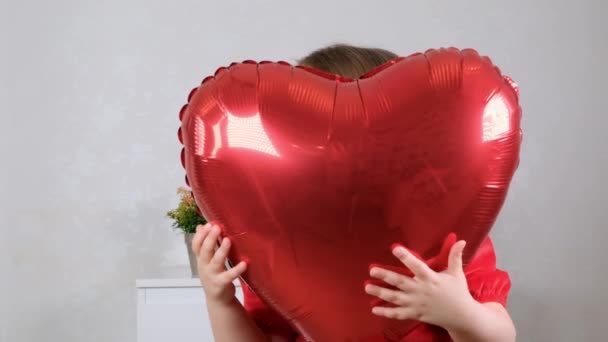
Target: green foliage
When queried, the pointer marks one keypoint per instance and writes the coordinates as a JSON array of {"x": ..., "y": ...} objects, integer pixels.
[{"x": 185, "y": 216}]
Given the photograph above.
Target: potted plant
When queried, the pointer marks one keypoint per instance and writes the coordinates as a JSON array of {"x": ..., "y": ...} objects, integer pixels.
[{"x": 186, "y": 218}]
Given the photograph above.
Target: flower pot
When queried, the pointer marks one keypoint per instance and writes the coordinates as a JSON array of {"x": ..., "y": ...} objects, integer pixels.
[{"x": 191, "y": 257}]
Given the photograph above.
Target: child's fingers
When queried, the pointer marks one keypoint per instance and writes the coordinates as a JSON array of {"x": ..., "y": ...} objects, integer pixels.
[
  {"x": 199, "y": 237},
  {"x": 455, "y": 259},
  {"x": 392, "y": 278},
  {"x": 208, "y": 248},
  {"x": 391, "y": 296},
  {"x": 235, "y": 272},
  {"x": 219, "y": 258},
  {"x": 417, "y": 266},
  {"x": 394, "y": 313}
]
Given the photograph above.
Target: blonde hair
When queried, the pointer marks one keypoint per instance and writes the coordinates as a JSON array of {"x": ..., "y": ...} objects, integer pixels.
[{"x": 347, "y": 60}]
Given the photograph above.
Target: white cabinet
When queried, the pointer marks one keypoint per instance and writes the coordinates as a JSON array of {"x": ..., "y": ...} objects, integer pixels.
[{"x": 172, "y": 310}]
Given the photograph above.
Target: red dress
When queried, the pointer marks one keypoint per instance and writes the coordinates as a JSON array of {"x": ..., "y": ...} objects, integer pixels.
[{"x": 486, "y": 284}]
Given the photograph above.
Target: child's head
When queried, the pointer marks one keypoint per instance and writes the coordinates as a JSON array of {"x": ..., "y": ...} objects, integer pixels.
[{"x": 346, "y": 60}]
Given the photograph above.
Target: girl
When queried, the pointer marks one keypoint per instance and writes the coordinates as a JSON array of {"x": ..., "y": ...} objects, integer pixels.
[{"x": 458, "y": 304}]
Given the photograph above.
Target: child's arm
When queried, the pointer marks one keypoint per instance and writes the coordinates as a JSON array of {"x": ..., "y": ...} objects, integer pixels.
[
  {"x": 484, "y": 322},
  {"x": 440, "y": 298},
  {"x": 229, "y": 320}
]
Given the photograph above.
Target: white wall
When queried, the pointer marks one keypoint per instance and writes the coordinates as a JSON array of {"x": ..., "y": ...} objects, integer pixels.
[{"x": 90, "y": 96}]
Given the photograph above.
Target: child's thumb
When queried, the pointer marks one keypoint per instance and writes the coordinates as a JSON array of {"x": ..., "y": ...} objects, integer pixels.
[{"x": 455, "y": 259}]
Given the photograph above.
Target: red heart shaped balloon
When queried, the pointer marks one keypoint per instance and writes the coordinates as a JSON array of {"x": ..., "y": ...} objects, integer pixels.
[{"x": 314, "y": 176}]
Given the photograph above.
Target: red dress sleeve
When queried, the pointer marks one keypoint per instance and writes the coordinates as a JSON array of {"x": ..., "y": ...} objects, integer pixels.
[
  {"x": 265, "y": 317},
  {"x": 486, "y": 282}
]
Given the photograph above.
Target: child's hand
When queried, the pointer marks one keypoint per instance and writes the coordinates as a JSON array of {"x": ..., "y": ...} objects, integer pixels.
[
  {"x": 217, "y": 282},
  {"x": 441, "y": 299}
]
